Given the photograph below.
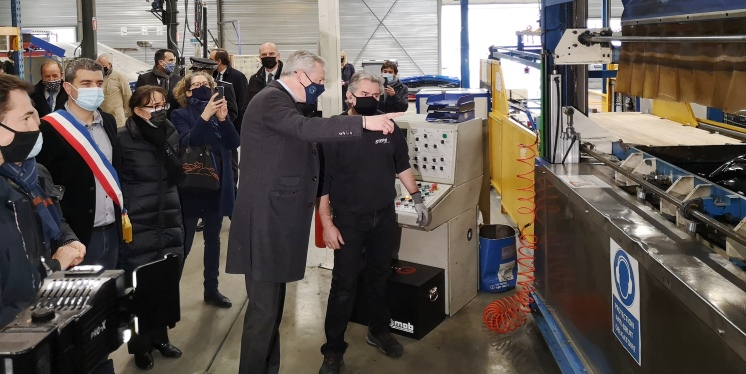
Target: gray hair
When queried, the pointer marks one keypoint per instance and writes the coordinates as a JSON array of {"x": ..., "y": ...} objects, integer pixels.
[
  {"x": 302, "y": 60},
  {"x": 107, "y": 56},
  {"x": 363, "y": 75},
  {"x": 71, "y": 70}
]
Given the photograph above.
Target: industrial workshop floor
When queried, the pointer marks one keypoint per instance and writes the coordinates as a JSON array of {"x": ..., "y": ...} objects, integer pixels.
[{"x": 210, "y": 337}]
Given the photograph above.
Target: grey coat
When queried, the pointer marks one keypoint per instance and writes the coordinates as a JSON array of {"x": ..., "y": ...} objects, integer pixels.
[{"x": 278, "y": 185}]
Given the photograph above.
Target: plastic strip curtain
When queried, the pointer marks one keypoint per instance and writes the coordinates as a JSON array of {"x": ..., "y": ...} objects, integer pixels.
[{"x": 710, "y": 74}]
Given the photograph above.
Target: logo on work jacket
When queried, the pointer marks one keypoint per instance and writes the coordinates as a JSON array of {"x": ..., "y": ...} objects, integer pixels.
[{"x": 382, "y": 141}]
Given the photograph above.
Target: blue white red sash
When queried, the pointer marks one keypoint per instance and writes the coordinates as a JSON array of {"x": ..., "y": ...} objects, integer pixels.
[{"x": 78, "y": 136}]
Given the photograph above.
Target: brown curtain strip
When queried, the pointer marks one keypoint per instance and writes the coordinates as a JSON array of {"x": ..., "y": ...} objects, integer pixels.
[{"x": 711, "y": 74}]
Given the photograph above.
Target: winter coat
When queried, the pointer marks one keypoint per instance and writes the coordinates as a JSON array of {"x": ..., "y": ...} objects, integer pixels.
[
  {"x": 194, "y": 131},
  {"x": 22, "y": 246},
  {"x": 167, "y": 82},
  {"x": 397, "y": 103},
  {"x": 278, "y": 185},
  {"x": 258, "y": 81},
  {"x": 150, "y": 196},
  {"x": 40, "y": 102},
  {"x": 117, "y": 95}
]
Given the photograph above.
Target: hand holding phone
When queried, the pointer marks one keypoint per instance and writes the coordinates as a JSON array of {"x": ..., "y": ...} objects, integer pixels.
[{"x": 221, "y": 93}]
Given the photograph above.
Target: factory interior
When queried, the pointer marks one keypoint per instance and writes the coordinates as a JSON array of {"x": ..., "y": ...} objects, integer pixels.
[{"x": 581, "y": 163}]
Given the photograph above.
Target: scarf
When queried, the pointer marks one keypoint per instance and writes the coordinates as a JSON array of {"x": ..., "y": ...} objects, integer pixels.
[
  {"x": 200, "y": 105},
  {"x": 26, "y": 177}
]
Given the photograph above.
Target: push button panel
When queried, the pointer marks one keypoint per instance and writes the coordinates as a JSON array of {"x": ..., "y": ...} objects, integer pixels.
[{"x": 432, "y": 153}]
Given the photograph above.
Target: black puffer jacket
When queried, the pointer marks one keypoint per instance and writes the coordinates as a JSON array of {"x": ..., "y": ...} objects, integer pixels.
[{"x": 150, "y": 196}]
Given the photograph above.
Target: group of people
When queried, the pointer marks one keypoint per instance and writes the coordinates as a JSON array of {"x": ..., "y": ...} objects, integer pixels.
[{"x": 111, "y": 192}]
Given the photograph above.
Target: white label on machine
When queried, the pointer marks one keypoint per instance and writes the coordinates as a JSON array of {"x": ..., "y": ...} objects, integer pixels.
[
  {"x": 584, "y": 181},
  {"x": 498, "y": 83},
  {"x": 625, "y": 300}
]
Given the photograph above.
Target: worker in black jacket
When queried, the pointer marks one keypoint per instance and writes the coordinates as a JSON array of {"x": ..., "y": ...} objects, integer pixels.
[
  {"x": 31, "y": 223},
  {"x": 164, "y": 75},
  {"x": 365, "y": 167},
  {"x": 270, "y": 70},
  {"x": 395, "y": 97},
  {"x": 149, "y": 174},
  {"x": 48, "y": 94}
]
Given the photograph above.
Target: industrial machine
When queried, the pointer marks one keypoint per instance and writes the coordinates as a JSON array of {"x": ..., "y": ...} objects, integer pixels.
[
  {"x": 83, "y": 314},
  {"x": 640, "y": 229},
  {"x": 447, "y": 162}
]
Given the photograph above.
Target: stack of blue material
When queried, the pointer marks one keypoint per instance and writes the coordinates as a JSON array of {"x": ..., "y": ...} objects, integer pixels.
[{"x": 450, "y": 108}]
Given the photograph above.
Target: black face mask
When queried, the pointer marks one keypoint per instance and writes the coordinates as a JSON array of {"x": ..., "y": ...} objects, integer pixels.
[
  {"x": 157, "y": 117},
  {"x": 366, "y": 106},
  {"x": 269, "y": 62},
  {"x": 20, "y": 147},
  {"x": 107, "y": 71}
]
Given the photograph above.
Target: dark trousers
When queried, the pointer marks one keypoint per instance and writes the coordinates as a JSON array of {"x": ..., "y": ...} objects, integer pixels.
[
  {"x": 213, "y": 225},
  {"x": 260, "y": 343},
  {"x": 103, "y": 248},
  {"x": 377, "y": 233}
]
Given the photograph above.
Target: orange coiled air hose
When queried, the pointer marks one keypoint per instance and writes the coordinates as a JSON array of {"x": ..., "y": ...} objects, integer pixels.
[{"x": 507, "y": 314}]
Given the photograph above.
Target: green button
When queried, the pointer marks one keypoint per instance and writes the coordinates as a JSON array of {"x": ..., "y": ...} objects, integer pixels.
[{"x": 445, "y": 136}]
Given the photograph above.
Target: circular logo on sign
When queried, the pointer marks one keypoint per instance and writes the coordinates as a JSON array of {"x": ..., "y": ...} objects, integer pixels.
[
  {"x": 624, "y": 278},
  {"x": 406, "y": 270}
]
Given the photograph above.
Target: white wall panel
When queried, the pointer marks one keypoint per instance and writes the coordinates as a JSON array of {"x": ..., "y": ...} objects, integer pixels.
[{"x": 42, "y": 13}]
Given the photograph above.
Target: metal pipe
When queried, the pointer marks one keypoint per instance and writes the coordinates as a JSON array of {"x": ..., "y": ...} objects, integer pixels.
[
  {"x": 701, "y": 217},
  {"x": 728, "y": 132},
  {"x": 89, "y": 42},
  {"x": 205, "y": 52},
  {"x": 605, "y": 13},
  {"x": 585, "y": 38},
  {"x": 465, "y": 79}
]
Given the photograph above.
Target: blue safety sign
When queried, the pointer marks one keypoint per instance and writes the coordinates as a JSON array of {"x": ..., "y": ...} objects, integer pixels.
[{"x": 625, "y": 300}]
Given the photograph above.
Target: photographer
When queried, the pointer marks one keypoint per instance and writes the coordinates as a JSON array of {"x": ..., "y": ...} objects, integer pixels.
[
  {"x": 31, "y": 223},
  {"x": 395, "y": 96}
]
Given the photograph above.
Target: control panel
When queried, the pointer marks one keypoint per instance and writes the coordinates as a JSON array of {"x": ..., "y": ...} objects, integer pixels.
[
  {"x": 431, "y": 193},
  {"x": 432, "y": 153}
]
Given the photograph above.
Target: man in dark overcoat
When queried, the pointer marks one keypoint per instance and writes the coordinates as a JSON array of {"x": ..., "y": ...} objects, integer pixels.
[{"x": 276, "y": 197}]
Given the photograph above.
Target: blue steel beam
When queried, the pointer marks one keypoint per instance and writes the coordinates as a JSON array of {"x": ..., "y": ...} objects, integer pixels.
[
  {"x": 465, "y": 44},
  {"x": 15, "y": 14},
  {"x": 565, "y": 356}
]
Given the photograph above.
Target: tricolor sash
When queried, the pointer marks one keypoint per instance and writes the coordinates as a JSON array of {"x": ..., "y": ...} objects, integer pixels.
[{"x": 78, "y": 136}]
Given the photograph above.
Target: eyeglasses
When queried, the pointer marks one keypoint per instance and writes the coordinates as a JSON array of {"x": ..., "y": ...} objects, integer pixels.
[
  {"x": 199, "y": 84},
  {"x": 151, "y": 109}
]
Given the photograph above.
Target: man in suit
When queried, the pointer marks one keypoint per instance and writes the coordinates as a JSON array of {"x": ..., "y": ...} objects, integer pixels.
[
  {"x": 225, "y": 73},
  {"x": 164, "y": 75},
  {"x": 48, "y": 94},
  {"x": 279, "y": 184},
  {"x": 90, "y": 211},
  {"x": 271, "y": 69}
]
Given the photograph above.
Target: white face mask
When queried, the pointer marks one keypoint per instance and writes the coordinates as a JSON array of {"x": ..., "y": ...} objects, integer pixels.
[
  {"x": 37, "y": 147},
  {"x": 89, "y": 98},
  {"x": 388, "y": 76}
]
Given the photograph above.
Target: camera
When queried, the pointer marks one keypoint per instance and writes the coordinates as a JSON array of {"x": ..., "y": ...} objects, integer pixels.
[{"x": 81, "y": 315}]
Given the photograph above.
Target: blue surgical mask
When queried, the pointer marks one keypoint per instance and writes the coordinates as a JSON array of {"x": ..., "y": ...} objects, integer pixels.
[
  {"x": 37, "y": 147},
  {"x": 169, "y": 68},
  {"x": 313, "y": 91},
  {"x": 388, "y": 76},
  {"x": 89, "y": 98}
]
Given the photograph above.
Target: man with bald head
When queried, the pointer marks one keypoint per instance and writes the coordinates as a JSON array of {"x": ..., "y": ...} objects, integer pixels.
[
  {"x": 47, "y": 95},
  {"x": 270, "y": 70},
  {"x": 117, "y": 91}
]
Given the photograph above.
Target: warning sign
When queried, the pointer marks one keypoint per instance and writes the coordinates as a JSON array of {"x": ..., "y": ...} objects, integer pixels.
[{"x": 625, "y": 300}]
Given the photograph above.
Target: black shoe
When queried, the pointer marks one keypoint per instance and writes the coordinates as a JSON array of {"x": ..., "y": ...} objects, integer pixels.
[
  {"x": 218, "y": 299},
  {"x": 144, "y": 361},
  {"x": 386, "y": 343},
  {"x": 332, "y": 363},
  {"x": 200, "y": 226},
  {"x": 168, "y": 350}
]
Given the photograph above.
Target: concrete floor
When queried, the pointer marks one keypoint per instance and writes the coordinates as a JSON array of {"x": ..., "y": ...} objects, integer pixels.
[{"x": 210, "y": 337}]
